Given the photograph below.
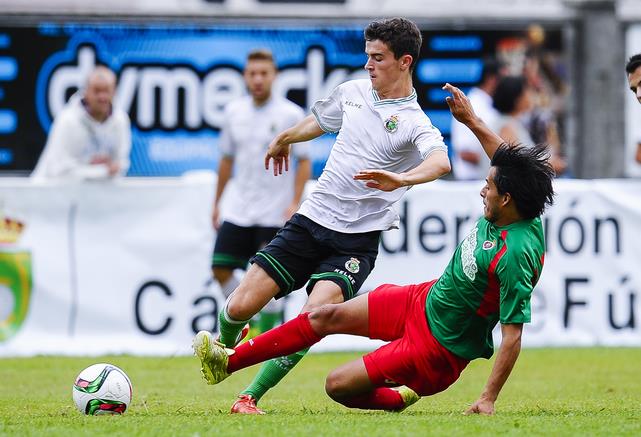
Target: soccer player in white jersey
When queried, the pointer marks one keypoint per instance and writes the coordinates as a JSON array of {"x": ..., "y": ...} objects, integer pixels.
[
  {"x": 385, "y": 144},
  {"x": 257, "y": 204}
]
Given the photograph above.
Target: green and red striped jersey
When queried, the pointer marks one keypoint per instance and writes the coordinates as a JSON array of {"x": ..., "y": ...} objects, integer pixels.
[{"x": 490, "y": 278}]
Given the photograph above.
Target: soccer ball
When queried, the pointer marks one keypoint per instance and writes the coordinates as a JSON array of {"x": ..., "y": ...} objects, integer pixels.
[{"x": 102, "y": 389}]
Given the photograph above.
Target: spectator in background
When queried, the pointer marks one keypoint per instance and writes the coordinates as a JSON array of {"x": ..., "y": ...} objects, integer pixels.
[
  {"x": 470, "y": 161},
  {"x": 544, "y": 75},
  {"x": 90, "y": 138},
  {"x": 513, "y": 100},
  {"x": 633, "y": 68},
  {"x": 259, "y": 203}
]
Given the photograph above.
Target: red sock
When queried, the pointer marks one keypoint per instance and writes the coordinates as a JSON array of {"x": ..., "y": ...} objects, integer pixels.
[
  {"x": 287, "y": 339},
  {"x": 381, "y": 398}
]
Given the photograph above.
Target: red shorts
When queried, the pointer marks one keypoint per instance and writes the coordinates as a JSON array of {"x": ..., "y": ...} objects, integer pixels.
[{"x": 413, "y": 357}]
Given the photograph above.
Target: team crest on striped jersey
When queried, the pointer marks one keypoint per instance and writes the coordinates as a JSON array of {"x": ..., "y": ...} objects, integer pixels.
[
  {"x": 391, "y": 124},
  {"x": 353, "y": 265},
  {"x": 487, "y": 244}
]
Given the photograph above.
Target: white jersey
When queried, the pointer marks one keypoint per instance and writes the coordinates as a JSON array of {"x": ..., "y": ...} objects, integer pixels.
[
  {"x": 76, "y": 138},
  {"x": 464, "y": 140},
  {"x": 255, "y": 196},
  {"x": 392, "y": 134}
]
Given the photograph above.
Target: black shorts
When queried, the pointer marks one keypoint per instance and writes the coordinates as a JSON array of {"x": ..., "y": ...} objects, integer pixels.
[
  {"x": 305, "y": 251},
  {"x": 236, "y": 244}
]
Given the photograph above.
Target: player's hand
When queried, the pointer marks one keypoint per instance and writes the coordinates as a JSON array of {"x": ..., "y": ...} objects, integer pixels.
[
  {"x": 380, "y": 179},
  {"x": 290, "y": 211},
  {"x": 215, "y": 218},
  {"x": 459, "y": 104},
  {"x": 114, "y": 168},
  {"x": 481, "y": 406},
  {"x": 279, "y": 153}
]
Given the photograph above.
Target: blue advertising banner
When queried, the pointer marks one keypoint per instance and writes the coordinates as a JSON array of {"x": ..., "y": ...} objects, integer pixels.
[{"x": 174, "y": 80}]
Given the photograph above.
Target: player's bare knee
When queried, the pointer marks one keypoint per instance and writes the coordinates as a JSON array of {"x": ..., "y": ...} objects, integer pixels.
[
  {"x": 324, "y": 319},
  {"x": 336, "y": 386},
  {"x": 241, "y": 307}
]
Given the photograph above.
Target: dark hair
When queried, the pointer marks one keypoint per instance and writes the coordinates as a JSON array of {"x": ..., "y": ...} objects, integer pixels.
[
  {"x": 633, "y": 63},
  {"x": 261, "y": 55},
  {"x": 525, "y": 172},
  {"x": 491, "y": 67},
  {"x": 507, "y": 92},
  {"x": 399, "y": 34}
]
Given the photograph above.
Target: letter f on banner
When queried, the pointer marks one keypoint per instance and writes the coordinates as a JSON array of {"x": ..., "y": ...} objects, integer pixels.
[{"x": 15, "y": 291}]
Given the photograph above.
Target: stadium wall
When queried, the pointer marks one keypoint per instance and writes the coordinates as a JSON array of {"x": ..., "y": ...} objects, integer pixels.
[{"x": 123, "y": 267}]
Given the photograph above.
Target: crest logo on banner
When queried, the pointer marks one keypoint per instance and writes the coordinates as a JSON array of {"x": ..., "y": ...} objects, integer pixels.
[{"x": 15, "y": 279}]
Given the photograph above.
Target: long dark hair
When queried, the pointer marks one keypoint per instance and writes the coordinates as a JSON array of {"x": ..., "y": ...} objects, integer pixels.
[{"x": 525, "y": 172}]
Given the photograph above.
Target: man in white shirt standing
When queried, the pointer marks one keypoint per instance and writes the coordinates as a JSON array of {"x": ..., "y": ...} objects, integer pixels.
[
  {"x": 385, "y": 144},
  {"x": 90, "y": 138},
  {"x": 470, "y": 161},
  {"x": 257, "y": 204}
]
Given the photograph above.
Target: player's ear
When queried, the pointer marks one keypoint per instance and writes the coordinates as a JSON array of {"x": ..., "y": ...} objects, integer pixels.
[
  {"x": 406, "y": 62},
  {"x": 505, "y": 199}
]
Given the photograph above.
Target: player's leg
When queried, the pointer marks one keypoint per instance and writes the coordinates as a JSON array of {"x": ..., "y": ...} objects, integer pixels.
[
  {"x": 255, "y": 290},
  {"x": 270, "y": 317},
  {"x": 337, "y": 279},
  {"x": 302, "y": 332},
  {"x": 272, "y": 314},
  {"x": 351, "y": 386},
  {"x": 234, "y": 246},
  {"x": 366, "y": 383},
  {"x": 231, "y": 251},
  {"x": 274, "y": 370}
]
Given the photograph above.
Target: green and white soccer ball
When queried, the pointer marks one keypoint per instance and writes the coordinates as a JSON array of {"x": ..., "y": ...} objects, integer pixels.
[{"x": 102, "y": 389}]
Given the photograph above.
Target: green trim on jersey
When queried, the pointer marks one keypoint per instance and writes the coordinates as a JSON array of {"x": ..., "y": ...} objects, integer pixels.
[
  {"x": 282, "y": 271},
  {"x": 321, "y": 276},
  {"x": 222, "y": 259},
  {"x": 379, "y": 102},
  {"x": 490, "y": 278}
]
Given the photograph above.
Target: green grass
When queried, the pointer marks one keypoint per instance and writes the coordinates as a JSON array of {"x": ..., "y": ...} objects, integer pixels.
[{"x": 551, "y": 392}]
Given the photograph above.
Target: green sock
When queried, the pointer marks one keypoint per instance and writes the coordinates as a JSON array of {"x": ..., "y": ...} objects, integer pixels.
[
  {"x": 269, "y": 320},
  {"x": 229, "y": 328},
  {"x": 271, "y": 372}
]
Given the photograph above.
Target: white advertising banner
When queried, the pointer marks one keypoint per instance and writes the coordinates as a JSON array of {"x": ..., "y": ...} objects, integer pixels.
[{"x": 122, "y": 267}]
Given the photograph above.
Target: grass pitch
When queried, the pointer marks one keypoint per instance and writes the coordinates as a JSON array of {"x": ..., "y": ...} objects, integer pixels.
[{"x": 551, "y": 392}]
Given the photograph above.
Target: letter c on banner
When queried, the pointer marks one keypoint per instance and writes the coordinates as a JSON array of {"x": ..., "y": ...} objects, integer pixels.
[{"x": 146, "y": 287}]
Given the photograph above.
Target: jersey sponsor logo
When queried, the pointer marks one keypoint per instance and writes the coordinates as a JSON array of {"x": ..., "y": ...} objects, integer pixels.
[
  {"x": 353, "y": 265},
  {"x": 487, "y": 244},
  {"x": 352, "y": 104},
  {"x": 467, "y": 255},
  {"x": 391, "y": 124}
]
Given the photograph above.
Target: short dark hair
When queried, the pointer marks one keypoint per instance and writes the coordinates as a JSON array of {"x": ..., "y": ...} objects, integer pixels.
[
  {"x": 507, "y": 93},
  {"x": 399, "y": 34},
  {"x": 633, "y": 63},
  {"x": 261, "y": 55},
  {"x": 525, "y": 172}
]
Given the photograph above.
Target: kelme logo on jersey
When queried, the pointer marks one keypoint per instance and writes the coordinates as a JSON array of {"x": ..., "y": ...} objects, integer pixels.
[
  {"x": 353, "y": 265},
  {"x": 487, "y": 244},
  {"x": 391, "y": 124}
]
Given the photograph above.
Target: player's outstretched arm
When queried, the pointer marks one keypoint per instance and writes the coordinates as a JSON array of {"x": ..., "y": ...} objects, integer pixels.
[
  {"x": 433, "y": 167},
  {"x": 461, "y": 109},
  {"x": 508, "y": 353},
  {"x": 278, "y": 151}
]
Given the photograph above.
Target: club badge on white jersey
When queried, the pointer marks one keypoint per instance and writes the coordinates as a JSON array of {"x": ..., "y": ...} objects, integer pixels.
[{"x": 391, "y": 124}]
